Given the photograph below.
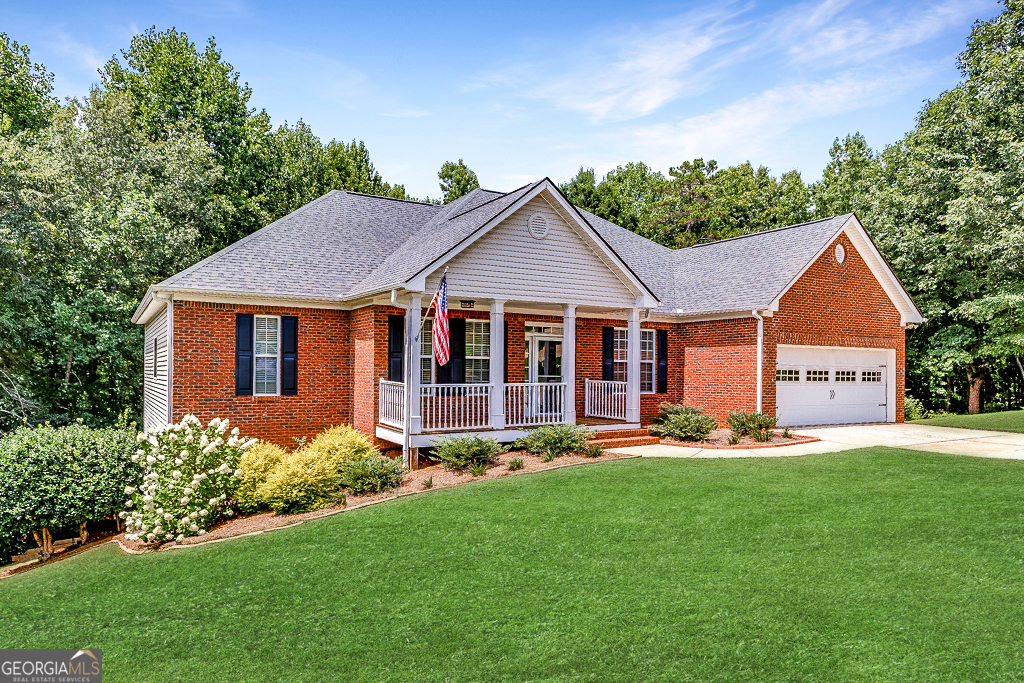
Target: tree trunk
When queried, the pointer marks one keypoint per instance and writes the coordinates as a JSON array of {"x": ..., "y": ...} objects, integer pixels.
[
  {"x": 47, "y": 543},
  {"x": 83, "y": 533},
  {"x": 975, "y": 380}
]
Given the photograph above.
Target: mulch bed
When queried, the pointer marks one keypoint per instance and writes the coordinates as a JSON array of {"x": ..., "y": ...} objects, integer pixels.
[
  {"x": 268, "y": 521},
  {"x": 719, "y": 438}
]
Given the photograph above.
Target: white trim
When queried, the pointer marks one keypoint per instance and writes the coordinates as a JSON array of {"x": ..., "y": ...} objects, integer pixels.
[
  {"x": 418, "y": 281},
  {"x": 170, "y": 361},
  {"x": 502, "y": 435},
  {"x": 256, "y": 356},
  {"x": 569, "y": 360},
  {"x": 887, "y": 280}
]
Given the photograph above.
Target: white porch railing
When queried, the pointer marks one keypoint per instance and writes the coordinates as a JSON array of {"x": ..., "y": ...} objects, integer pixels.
[
  {"x": 392, "y": 404},
  {"x": 605, "y": 399},
  {"x": 535, "y": 403},
  {"x": 454, "y": 406}
]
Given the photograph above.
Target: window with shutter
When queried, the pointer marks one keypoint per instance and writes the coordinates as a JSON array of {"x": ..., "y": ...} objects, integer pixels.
[{"x": 267, "y": 348}]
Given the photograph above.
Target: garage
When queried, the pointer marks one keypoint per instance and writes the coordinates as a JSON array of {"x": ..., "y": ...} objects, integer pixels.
[{"x": 833, "y": 385}]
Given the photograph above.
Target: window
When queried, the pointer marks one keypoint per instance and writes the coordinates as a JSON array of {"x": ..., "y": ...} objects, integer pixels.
[
  {"x": 478, "y": 352},
  {"x": 871, "y": 376},
  {"x": 266, "y": 355},
  {"x": 621, "y": 351},
  {"x": 787, "y": 375},
  {"x": 817, "y": 375},
  {"x": 846, "y": 375},
  {"x": 427, "y": 352},
  {"x": 647, "y": 362}
]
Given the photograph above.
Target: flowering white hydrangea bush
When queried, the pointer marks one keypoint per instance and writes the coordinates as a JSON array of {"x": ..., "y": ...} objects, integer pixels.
[{"x": 189, "y": 473}]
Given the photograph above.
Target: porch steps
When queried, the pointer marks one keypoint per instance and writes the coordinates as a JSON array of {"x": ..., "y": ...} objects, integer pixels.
[{"x": 622, "y": 438}]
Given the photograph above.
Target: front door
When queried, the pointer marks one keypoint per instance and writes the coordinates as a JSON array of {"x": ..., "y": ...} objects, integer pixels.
[{"x": 544, "y": 366}]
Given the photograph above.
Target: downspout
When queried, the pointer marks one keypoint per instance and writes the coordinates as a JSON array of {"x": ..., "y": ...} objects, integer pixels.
[
  {"x": 406, "y": 406},
  {"x": 760, "y": 356}
]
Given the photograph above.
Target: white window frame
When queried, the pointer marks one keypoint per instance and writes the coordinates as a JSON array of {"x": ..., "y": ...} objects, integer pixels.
[
  {"x": 813, "y": 379},
  {"x": 485, "y": 349},
  {"x": 427, "y": 339},
  {"x": 876, "y": 376},
  {"x": 276, "y": 356},
  {"x": 845, "y": 378},
  {"x": 652, "y": 334},
  {"x": 779, "y": 371},
  {"x": 621, "y": 334}
]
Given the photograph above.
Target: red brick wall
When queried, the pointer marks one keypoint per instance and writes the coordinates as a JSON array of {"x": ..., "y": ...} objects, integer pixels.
[
  {"x": 835, "y": 305},
  {"x": 720, "y": 365},
  {"x": 204, "y": 372}
]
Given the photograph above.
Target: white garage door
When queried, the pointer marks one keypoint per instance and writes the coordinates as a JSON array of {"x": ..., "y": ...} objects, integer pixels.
[{"x": 815, "y": 386}]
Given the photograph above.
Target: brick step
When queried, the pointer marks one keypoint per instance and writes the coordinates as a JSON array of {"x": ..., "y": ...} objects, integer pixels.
[
  {"x": 620, "y": 434},
  {"x": 624, "y": 442}
]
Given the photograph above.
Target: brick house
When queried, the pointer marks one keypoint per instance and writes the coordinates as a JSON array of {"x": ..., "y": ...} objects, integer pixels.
[{"x": 556, "y": 316}]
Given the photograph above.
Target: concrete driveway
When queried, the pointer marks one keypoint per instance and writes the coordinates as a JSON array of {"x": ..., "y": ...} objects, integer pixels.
[{"x": 950, "y": 440}]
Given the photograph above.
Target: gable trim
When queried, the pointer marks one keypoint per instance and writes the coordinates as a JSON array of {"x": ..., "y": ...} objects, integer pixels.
[
  {"x": 646, "y": 298},
  {"x": 876, "y": 263}
]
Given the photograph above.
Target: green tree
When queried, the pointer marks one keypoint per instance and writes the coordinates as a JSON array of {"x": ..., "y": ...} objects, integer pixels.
[
  {"x": 605, "y": 199},
  {"x": 686, "y": 206},
  {"x": 25, "y": 100},
  {"x": 456, "y": 180},
  {"x": 946, "y": 208},
  {"x": 846, "y": 180}
]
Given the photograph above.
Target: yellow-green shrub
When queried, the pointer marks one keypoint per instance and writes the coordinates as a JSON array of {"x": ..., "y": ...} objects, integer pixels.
[
  {"x": 256, "y": 464},
  {"x": 340, "y": 444},
  {"x": 301, "y": 482}
]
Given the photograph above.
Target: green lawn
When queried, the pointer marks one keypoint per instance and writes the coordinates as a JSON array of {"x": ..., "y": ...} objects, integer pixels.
[
  {"x": 1009, "y": 421},
  {"x": 867, "y": 565}
]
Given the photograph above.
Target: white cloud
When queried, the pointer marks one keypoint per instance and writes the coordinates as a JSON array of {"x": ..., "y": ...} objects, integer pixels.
[
  {"x": 746, "y": 127},
  {"x": 86, "y": 55}
]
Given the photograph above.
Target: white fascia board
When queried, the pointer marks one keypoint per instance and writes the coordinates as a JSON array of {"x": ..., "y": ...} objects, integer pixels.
[
  {"x": 246, "y": 298},
  {"x": 888, "y": 281},
  {"x": 725, "y": 315},
  {"x": 417, "y": 283}
]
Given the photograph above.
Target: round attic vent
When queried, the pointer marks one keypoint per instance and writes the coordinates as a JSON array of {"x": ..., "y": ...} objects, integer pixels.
[
  {"x": 538, "y": 226},
  {"x": 840, "y": 254}
]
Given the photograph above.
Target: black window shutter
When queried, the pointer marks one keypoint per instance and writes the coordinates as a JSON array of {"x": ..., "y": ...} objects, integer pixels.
[
  {"x": 243, "y": 353},
  {"x": 457, "y": 330},
  {"x": 608, "y": 354},
  {"x": 289, "y": 355},
  {"x": 505, "y": 364},
  {"x": 662, "y": 361},
  {"x": 396, "y": 346}
]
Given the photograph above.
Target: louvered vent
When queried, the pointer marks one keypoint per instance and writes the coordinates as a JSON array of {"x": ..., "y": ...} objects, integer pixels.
[{"x": 538, "y": 226}]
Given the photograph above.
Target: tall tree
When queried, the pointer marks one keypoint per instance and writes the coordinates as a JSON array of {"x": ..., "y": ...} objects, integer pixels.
[
  {"x": 946, "y": 209},
  {"x": 456, "y": 180},
  {"x": 686, "y": 205},
  {"x": 25, "y": 100},
  {"x": 846, "y": 180}
]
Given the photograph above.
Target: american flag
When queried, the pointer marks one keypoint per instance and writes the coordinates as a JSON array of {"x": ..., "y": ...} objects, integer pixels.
[{"x": 440, "y": 329}]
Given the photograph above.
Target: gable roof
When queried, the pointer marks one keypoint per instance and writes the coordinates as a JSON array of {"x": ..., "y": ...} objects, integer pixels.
[{"x": 348, "y": 245}]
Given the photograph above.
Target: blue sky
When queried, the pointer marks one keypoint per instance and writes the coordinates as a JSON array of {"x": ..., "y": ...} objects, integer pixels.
[{"x": 534, "y": 89}]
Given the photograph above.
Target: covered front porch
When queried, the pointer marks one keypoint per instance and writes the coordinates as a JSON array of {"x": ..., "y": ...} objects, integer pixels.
[{"x": 521, "y": 369}]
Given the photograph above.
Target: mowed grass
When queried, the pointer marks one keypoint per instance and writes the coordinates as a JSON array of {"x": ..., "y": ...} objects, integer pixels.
[
  {"x": 1008, "y": 421},
  {"x": 868, "y": 565}
]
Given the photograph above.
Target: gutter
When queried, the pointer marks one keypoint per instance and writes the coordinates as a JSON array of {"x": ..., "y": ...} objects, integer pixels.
[{"x": 760, "y": 357}]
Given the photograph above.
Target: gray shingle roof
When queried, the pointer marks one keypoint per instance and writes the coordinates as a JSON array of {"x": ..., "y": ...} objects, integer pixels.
[
  {"x": 346, "y": 244},
  {"x": 745, "y": 273}
]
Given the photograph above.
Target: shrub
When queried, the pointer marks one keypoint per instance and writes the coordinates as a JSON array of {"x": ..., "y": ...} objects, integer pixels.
[
  {"x": 666, "y": 410},
  {"x": 300, "y": 482},
  {"x": 372, "y": 474},
  {"x": 190, "y": 471},
  {"x": 428, "y": 482},
  {"x": 552, "y": 441},
  {"x": 685, "y": 426},
  {"x": 53, "y": 478},
  {"x": 750, "y": 424},
  {"x": 477, "y": 469},
  {"x": 515, "y": 464},
  {"x": 12, "y": 544},
  {"x": 341, "y": 444},
  {"x": 734, "y": 439},
  {"x": 786, "y": 434},
  {"x": 913, "y": 409},
  {"x": 763, "y": 435},
  {"x": 459, "y": 452},
  {"x": 256, "y": 463},
  {"x": 594, "y": 450}
]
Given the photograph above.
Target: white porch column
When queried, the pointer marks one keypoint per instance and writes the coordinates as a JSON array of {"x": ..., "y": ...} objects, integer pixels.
[
  {"x": 498, "y": 361},
  {"x": 633, "y": 367},
  {"x": 413, "y": 320},
  {"x": 569, "y": 360}
]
